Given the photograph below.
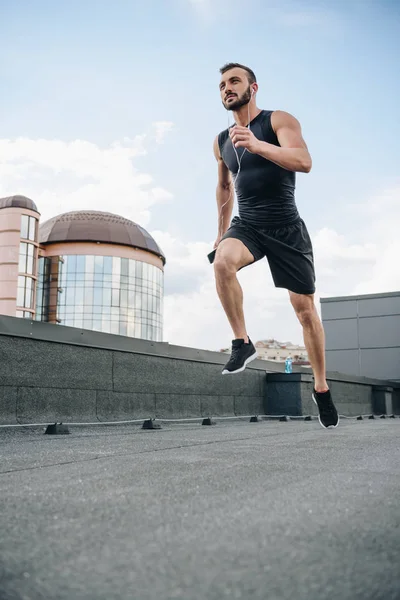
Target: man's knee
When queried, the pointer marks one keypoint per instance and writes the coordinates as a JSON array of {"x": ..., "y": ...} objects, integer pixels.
[
  {"x": 304, "y": 308},
  {"x": 306, "y": 316},
  {"x": 224, "y": 265}
]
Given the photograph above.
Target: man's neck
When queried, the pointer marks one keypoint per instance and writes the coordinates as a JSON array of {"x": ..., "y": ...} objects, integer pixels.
[{"x": 245, "y": 114}]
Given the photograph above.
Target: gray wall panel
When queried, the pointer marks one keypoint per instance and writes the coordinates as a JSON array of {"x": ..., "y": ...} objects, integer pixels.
[
  {"x": 376, "y": 339},
  {"x": 379, "y": 332},
  {"x": 341, "y": 334},
  {"x": 371, "y": 307},
  {"x": 383, "y": 362},
  {"x": 343, "y": 361},
  {"x": 339, "y": 310}
]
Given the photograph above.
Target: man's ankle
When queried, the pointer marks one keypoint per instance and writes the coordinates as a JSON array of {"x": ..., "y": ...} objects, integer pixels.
[
  {"x": 320, "y": 388},
  {"x": 243, "y": 337}
]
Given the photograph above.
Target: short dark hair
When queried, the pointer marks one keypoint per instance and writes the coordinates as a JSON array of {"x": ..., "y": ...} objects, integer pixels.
[{"x": 250, "y": 74}]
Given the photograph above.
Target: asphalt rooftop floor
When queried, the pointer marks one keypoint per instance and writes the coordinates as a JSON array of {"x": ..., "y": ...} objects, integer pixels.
[{"x": 266, "y": 511}]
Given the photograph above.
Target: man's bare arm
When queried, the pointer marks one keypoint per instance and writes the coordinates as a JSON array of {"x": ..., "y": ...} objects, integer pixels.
[
  {"x": 224, "y": 194},
  {"x": 292, "y": 154}
]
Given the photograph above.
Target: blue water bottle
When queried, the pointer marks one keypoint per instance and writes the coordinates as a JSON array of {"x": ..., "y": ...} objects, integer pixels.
[{"x": 288, "y": 365}]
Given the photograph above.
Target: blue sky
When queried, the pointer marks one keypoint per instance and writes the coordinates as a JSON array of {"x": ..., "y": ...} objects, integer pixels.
[{"x": 100, "y": 72}]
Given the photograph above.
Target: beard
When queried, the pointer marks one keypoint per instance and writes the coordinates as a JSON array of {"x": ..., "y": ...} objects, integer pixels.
[{"x": 239, "y": 102}]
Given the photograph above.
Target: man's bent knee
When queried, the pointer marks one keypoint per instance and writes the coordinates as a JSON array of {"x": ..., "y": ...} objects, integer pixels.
[
  {"x": 231, "y": 256},
  {"x": 224, "y": 266}
]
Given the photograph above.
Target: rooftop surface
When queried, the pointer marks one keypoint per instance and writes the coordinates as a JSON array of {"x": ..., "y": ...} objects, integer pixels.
[{"x": 261, "y": 511}]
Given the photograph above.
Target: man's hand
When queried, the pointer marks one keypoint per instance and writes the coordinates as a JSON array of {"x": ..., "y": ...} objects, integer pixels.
[
  {"x": 217, "y": 242},
  {"x": 242, "y": 137}
]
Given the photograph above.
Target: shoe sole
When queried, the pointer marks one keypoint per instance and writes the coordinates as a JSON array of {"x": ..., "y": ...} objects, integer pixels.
[
  {"x": 246, "y": 362},
  {"x": 319, "y": 418}
]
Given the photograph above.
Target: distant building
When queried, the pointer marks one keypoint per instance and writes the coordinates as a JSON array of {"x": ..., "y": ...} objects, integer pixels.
[
  {"x": 279, "y": 351},
  {"x": 88, "y": 269},
  {"x": 272, "y": 349},
  {"x": 363, "y": 334}
]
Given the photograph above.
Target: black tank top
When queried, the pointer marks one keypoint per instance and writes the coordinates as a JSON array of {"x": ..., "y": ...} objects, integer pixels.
[{"x": 265, "y": 192}]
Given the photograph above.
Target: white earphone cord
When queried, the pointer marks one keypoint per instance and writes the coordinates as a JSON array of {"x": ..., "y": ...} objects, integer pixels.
[{"x": 239, "y": 161}]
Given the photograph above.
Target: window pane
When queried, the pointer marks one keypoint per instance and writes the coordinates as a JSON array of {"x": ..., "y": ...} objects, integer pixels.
[
  {"x": 106, "y": 326},
  {"x": 98, "y": 297},
  {"x": 98, "y": 265},
  {"x": 124, "y": 298},
  {"x": 115, "y": 297},
  {"x": 71, "y": 265},
  {"x": 70, "y": 296},
  {"x": 124, "y": 267},
  {"x": 79, "y": 294},
  {"x": 145, "y": 268},
  {"x": 78, "y": 322},
  {"x": 107, "y": 296},
  {"x": 32, "y": 228},
  {"x": 132, "y": 268},
  {"x": 30, "y": 261},
  {"x": 97, "y": 324},
  {"x": 22, "y": 257},
  {"x": 88, "y": 296},
  {"x": 116, "y": 271},
  {"x": 87, "y": 323},
  {"x": 80, "y": 264},
  {"x": 24, "y": 226},
  {"x": 138, "y": 300},
  {"x": 107, "y": 265},
  {"x": 29, "y": 293},
  {"x": 89, "y": 265},
  {"x": 20, "y": 296}
]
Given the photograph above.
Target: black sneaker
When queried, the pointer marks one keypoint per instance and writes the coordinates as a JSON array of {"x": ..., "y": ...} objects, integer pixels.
[
  {"x": 241, "y": 355},
  {"x": 328, "y": 416}
]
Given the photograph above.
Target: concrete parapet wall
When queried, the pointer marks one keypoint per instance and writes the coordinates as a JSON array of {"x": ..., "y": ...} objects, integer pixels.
[
  {"x": 51, "y": 373},
  {"x": 292, "y": 395}
]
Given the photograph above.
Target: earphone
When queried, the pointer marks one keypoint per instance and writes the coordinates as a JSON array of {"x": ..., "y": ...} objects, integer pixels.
[{"x": 239, "y": 161}]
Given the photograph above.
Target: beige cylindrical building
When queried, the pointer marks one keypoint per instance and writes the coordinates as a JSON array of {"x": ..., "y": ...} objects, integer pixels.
[
  {"x": 102, "y": 272},
  {"x": 19, "y": 220}
]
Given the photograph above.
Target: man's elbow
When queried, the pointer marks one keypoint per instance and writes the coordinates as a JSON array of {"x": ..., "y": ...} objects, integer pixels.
[
  {"x": 306, "y": 164},
  {"x": 224, "y": 186}
]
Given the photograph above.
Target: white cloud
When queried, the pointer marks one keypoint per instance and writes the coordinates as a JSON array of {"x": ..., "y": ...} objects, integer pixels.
[
  {"x": 162, "y": 128},
  {"x": 62, "y": 176}
]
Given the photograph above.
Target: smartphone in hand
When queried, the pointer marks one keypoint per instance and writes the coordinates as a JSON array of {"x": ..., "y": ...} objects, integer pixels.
[{"x": 211, "y": 256}]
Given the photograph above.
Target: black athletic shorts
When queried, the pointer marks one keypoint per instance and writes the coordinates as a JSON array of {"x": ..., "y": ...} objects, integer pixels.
[{"x": 288, "y": 250}]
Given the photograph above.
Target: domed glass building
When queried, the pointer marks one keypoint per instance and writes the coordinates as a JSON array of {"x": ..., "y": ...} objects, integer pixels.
[
  {"x": 87, "y": 269},
  {"x": 102, "y": 272}
]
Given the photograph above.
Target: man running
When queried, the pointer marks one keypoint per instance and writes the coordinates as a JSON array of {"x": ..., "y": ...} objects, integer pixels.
[{"x": 262, "y": 153}]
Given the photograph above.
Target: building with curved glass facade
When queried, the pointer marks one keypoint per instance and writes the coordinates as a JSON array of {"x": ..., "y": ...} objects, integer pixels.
[
  {"x": 19, "y": 247},
  {"x": 91, "y": 270}
]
